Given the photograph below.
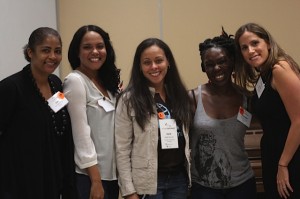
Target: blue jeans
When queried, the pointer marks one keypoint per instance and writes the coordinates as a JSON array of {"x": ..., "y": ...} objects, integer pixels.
[
  {"x": 171, "y": 186},
  {"x": 247, "y": 190},
  {"x": 111, "y": 188}
]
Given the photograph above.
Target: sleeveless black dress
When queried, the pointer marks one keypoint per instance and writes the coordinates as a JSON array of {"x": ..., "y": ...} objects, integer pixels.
[{"x": 275, "y": 122}]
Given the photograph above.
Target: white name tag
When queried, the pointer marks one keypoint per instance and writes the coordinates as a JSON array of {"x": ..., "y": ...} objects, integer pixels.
[
  {"x": 106, "y": 105},
  {"x": 259, "y": 87},
  {"x": 244, "y": 116},
  {"x": 57, "y": 101},
  {"x": 168, "y": 133}
]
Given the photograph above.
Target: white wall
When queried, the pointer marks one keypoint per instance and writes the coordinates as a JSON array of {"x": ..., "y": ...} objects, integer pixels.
[{"x": 18, "y": 18}]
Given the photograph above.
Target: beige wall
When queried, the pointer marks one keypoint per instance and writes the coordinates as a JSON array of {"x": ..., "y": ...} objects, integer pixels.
[{"x": 180, "y": 23}]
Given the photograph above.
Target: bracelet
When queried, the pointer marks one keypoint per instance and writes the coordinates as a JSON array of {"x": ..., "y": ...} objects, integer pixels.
[{"x": 280, "y": 165}]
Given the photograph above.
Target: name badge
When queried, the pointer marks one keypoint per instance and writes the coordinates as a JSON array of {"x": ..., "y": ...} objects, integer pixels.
[
  {"x": 244, "y": 116},
  {"x": 168, "y": 134},
  {"x": 106, "y": 105},
  {"x": 57, "y": 101},
  {"x": 259, "y": 87}
]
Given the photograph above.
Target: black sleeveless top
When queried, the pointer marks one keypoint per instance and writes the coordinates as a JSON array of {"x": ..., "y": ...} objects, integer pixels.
[{"x": 275, "y": 123}]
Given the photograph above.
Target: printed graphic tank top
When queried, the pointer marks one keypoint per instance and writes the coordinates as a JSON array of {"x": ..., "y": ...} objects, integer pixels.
[{"x": 219, "y": 159}]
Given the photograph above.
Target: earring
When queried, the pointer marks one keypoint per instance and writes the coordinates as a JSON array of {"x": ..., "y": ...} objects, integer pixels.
[{"x": 169, "y": 67}]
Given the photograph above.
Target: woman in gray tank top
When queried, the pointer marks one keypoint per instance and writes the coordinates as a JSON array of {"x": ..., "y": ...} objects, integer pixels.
[{"x": 220, "y": 165}]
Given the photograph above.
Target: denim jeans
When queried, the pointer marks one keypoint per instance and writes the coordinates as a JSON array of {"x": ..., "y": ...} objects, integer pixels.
[
  {"x": 246, "y": 190},
  {"x": 171, "y": 186},
  {"x": 111, "y": 188}
]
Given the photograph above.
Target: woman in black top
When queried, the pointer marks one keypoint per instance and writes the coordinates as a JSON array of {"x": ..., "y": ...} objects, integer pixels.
[
  {"x": 276, "y": 79},
  {"x": 36, "y": 146}
]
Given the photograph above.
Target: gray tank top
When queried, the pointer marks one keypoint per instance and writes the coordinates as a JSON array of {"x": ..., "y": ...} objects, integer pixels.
[{"x": 219, "y": 158}]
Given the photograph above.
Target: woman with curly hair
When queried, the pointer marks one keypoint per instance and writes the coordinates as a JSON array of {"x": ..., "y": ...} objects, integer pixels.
[{"x": 220, "y": 165}]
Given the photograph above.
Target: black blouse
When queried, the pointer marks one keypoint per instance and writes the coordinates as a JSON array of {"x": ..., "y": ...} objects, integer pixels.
[{"x": 36, "y": 162}]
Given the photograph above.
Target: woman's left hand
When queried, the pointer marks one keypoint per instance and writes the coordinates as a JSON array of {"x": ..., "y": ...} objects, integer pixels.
[{"x": 283, "y": 184}]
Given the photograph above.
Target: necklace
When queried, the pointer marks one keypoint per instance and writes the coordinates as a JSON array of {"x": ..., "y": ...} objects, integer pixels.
[{"x": 59, "y": 119}]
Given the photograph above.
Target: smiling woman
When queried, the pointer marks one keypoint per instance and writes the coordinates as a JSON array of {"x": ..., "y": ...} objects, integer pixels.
[
  {"x": 152, "y": 122},
  {"x": 220, "y": 166},
  {"x": 254, "y": 49},
  {"x": 92, "y": 88},
  {"x": 36, "y": 141},
  {"x": 154, "y": 66},
  {"x": 275, "y": 78}
]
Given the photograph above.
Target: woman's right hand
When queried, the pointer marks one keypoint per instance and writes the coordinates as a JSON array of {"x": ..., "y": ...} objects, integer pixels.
[
  {"x": 97, "y": 191},
  {"x": 283, "y": 184}
]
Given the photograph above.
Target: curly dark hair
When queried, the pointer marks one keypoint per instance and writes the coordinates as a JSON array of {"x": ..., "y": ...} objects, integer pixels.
[
  {"x": 109, "y": 74},
  {"x": 223, "y": 41}
]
